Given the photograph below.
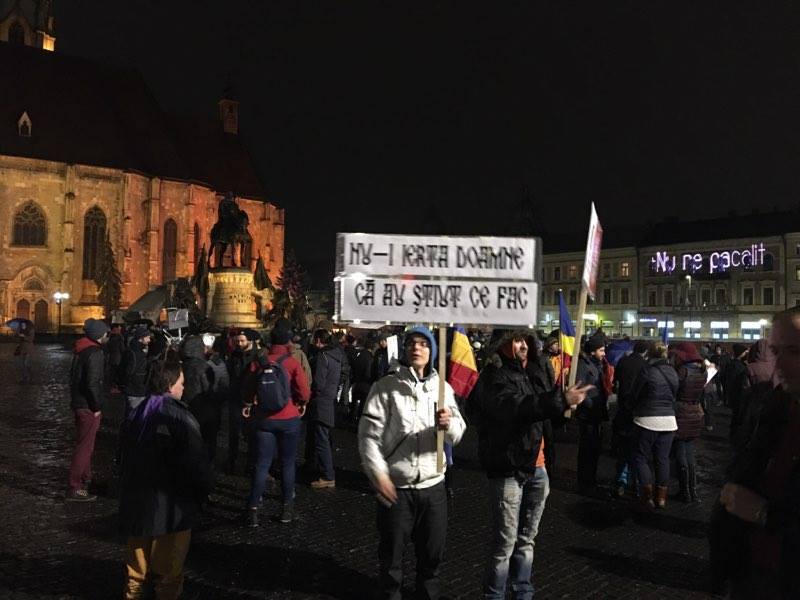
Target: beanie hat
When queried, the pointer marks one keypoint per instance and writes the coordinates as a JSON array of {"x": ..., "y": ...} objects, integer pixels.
[
  {"x": 95, "y": 328},
  {"x": 426, "y": 333},
  {"x": 594, "y": 343},
  {"x": 686, "y": 352},
  {"x": 139, "y": 332},
  {"x": 739, "y": 349},
  {"x": 251, "y": 334}
]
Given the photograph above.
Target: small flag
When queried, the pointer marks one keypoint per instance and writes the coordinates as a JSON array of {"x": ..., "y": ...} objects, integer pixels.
[
  {"x": 665, "y": 332},
  {"x": 565, "y": 326},
  {"x": 463, "y": 372}
]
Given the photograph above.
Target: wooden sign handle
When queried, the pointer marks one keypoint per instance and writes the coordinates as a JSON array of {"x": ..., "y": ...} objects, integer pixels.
[{"x": 576, "y": 350}]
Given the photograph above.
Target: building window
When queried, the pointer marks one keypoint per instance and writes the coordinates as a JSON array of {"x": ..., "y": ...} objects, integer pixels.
[
  {"x": 572, "y": 270},
  {"x": 768, "y": 295},
  {"x": 720, "y": 296},
  {"x": 606, "y": 270},
  {"x": 625, "y": 269},
  {"x": 33, "y": 285},
  {"x": 651, "y": 298},
  {"x": 169, "y": 255},
  {"x": 556, "y": 273},
  {"x": 797, "y": 249},
  {"x": 705, "y": 297},
  {"x": 573, "y": 297},
  {"x": 623, "y": 296},
  {"x": 607, "y": 296},
  {"x": 29, "y": 226},
  {"x": 24, "y": 125},
  {"x": 692, "y": 298},
  {"x": 747, "y": 296},
  {"x": 668, "y": 298},
  {"x": 797, "y": 272},
  {"x": 555, "y": 296},
  {"x": 544, "y": 297},
  {"x": 16, "y": 34},
  {"x": 94, "y": 232}
]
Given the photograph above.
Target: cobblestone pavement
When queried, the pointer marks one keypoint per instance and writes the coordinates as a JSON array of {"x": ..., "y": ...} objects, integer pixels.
[{"x": 51, "y": 549}]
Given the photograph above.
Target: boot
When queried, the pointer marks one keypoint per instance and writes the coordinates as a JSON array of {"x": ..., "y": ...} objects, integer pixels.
[
  {"x": 683, "y": 479},
  {"x": 251, "y": 517},
  {"x": 646, "y": 498},
  {"x": 692, "y": 481},
  {"x": 287, "y": 513},
  {"x": 661, "y": 496}
]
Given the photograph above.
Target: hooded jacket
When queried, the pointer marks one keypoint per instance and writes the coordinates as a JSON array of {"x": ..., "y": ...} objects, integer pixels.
[
  {"x": 86, "y": 375},
  {"x": 165, "y": 473},
  {"x": 196, "y": 386},
  {"x": 135, "y": 369},
  {"x": 397, "y": 431},
  {"x": 325, "y": 385}
]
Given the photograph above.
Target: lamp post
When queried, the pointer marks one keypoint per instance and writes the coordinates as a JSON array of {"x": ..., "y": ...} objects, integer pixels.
[
  {"x": 59, "y": 298},
  {"x": 689, "y": 303}
]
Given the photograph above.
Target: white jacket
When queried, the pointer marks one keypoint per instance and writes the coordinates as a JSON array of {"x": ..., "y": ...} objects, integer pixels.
[{"x": 397, "y": 431}]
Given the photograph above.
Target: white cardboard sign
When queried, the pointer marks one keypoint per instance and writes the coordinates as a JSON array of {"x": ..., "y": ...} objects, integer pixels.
[
  {"x": 468, "y": 301},
  {"x": 437, "y": 256},
  {"x": 592, "y": 262}
]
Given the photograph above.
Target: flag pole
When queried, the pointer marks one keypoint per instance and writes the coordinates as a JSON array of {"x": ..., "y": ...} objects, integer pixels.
[
  {"x": 560, "y": 338},
  {"x": 573, "y": 368},
  {"x": 440, "y": 403}
]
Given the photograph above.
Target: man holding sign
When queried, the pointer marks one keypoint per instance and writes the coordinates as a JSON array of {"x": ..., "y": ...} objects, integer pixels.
[{"x": 397, "y": 443}]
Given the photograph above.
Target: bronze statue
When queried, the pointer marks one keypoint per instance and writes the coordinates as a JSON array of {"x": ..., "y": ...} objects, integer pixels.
[{"x": 230, "y": 229}]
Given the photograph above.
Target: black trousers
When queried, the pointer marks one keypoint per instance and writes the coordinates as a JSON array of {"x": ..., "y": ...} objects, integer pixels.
[
  {"x": 421, "y": 516},
  {"x": 590, "y": 441}
]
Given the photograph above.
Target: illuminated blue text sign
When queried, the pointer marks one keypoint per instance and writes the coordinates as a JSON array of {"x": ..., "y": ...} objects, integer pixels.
[{"x": 717, "y": 261}]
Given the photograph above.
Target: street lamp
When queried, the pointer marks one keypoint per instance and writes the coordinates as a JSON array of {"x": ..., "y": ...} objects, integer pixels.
[{"x": 59, "y": 298}]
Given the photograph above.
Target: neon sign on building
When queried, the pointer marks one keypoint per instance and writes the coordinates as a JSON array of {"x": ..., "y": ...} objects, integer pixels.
[{"x": 718, "y": 261}]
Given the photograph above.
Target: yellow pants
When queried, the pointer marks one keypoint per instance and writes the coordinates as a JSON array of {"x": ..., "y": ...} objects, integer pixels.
[{"x": 161, "y": 559}]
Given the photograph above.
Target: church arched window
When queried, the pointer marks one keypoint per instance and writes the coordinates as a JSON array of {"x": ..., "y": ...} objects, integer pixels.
[
  {"x": 30, "y": 227},
  {"x": 94, "y": 232},
  {"x": 16, "y": 34},
  {"x": 169, "y": 256}
]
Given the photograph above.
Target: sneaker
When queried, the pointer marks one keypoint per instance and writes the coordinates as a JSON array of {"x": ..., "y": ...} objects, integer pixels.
[
  {"x": 80, "y": 496},
  {"x": 251, "y": 517},
  {"x": 287, "y": 514},
  {"x": 321, "y": 484}
]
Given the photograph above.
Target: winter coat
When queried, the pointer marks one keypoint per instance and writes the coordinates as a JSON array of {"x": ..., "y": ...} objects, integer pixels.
[
  {"x": 595, "y": 408},
  {"x": 165, "y": 473},
  {"x": 298, "y": 385},
  {"x": 25, "y": 341},
  {"x": 543, "y": 378},
  {"x": 397, "y": 431},
  {"x": 761, "y": 365},
  {"x": 655, "y": 390},
  {"x": 625, "y": 375},
  {"x": 197, "y": 381},
  {"x": 688, "y": 408},
  {"x": 730, "y": 537},
  {"x": 361, "y": 374},
  {"x": 300, "y": 357},
  {"x": 86, "y": 375},
  {"x": 510, "y": 415},
  {"x": 735, "y": 382},
  {"x": 325, "y": 387},
  {"x": 135, "y": 370},
  {"x": 239, "y": 363},
  {"x": 380, "y": 364}
]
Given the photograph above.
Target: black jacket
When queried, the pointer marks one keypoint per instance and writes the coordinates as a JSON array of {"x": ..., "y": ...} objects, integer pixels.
[
  {"x": 196, "y": 385},
  {"x": 86, "y": 375},
  {"x": 543, "y": 378},
  {"x": 729, "y": 536},
  {"x": 165, "y": 473},
  {"x": 361, "y": 374},
  {"x": 327, "y": 368},
  {"x": 656, "y": 390},
  {"x": 595, "y": 408},
  {"x": 135, "y": 369},
  {"x": 625, "y": 374},
  {"x": 509, "y": 416},
  {"x": 238, "y": 363}
]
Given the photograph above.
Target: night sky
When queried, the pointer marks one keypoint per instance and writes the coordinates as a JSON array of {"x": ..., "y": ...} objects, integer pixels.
[{"x": 373, "y": 116}]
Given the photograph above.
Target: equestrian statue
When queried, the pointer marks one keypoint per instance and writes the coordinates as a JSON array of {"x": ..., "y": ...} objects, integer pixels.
[{"x": 230, "y": 229}]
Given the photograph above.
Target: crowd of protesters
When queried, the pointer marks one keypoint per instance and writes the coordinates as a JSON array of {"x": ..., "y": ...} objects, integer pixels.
[{"x": 657, "y": 397}]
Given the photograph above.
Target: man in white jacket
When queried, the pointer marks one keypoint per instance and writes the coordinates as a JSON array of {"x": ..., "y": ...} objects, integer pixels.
[{"x": 397, "y": 443}]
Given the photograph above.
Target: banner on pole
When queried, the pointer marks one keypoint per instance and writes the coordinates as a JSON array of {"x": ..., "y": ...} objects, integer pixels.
[
  {"x": 431, "y": 283},
  {"x": 591, "y": 263},
  {"x": 437, "y": 256}
]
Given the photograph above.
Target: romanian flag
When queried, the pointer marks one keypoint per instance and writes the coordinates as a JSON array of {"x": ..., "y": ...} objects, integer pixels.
[
  {"x": 462, "y": 370},
  {"x": 566, "y": 327}
]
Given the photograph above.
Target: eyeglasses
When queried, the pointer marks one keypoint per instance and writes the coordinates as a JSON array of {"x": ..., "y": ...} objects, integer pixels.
[{"x": 417, "y": 342}]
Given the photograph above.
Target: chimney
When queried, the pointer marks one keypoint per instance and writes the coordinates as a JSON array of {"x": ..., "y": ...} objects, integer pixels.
[{"x": 229, "y": 115}]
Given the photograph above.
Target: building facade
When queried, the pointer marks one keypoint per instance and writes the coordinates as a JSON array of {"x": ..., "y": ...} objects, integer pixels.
[
  {"x": 698, "y": 288},
  {"x": 86, "y": 153}
]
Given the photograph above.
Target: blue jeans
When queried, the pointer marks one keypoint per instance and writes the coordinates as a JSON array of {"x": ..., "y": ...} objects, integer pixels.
[
  {"x": 285, "y": 435},
  {"x": 322, "y": 443},
  {"x": 652, "y": 445},
  {"x": 517, "y": 504}
]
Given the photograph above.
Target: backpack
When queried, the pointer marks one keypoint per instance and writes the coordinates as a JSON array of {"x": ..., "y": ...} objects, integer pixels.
[{"x": 272, "y": 391}]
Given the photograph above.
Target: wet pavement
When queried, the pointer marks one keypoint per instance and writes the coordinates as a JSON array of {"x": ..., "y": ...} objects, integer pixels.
[{"x": 585, "y": 548}]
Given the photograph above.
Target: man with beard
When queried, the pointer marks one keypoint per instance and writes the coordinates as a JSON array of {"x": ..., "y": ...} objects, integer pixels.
[{"x": 245, "y": 352}]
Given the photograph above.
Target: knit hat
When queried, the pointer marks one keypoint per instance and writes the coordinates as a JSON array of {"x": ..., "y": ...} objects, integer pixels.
[
  {"x": 595, "y": 343},
  {"x": 686, "y": 352},
  {"x": 739, "y": 349},
  {"x": 251, "y": 334},
  {"x": 95, "y": 328}
]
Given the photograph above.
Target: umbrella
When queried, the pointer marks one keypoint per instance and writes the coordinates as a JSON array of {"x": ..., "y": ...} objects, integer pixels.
[
  {"x": 260, "y": 277},
  {"x": 19, "y": 323},
  {"x": 200, "y": 280},
  {"x": 617, "y": 349}
]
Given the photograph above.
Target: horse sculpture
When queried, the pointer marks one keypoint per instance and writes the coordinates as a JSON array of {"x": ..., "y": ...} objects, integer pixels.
[{"x": 230, "y": 229}]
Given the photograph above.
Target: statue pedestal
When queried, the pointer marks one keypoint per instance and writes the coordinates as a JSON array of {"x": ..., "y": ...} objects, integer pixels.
[{"x": 230, "y": 298}]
